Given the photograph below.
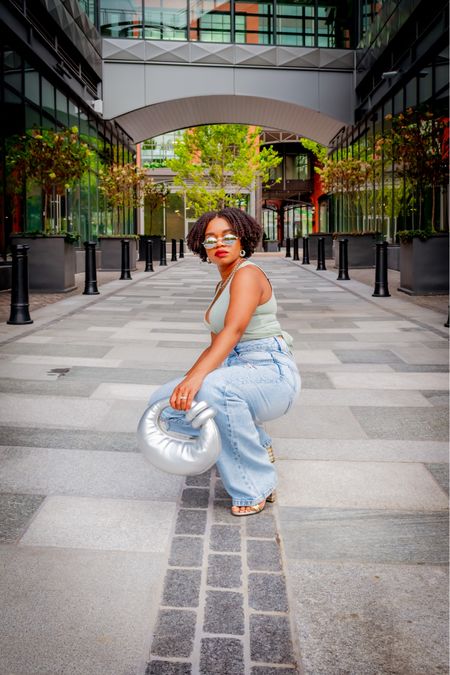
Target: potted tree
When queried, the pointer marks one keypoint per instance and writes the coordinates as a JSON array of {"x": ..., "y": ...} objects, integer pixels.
[
  {"x": 347, "y": 177},
  {"x": 155, "y": 195},
  {"x": 54, "y": 160},
  {"x": 417, "y": 144},
  {"x": 124, "y": 186}
]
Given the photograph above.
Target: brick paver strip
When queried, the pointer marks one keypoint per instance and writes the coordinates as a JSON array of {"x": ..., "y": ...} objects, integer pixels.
[{"x": 224, "y": 607}]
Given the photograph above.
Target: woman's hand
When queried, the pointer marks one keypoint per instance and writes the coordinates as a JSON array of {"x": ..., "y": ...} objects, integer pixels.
[{"x": 184, "y": 392}]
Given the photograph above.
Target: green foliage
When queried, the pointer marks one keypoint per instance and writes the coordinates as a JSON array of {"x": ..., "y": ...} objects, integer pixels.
[
  {"x": 54, "y": 159},
  {"x": 406, "y": 236},
  {"x": 155, "y": 164},
  {"x": 345, "y": 176},
  {"x": 319, "y": 151},
  {"x": 414, "y": 142},
  {"x": 215, "y": 164}
]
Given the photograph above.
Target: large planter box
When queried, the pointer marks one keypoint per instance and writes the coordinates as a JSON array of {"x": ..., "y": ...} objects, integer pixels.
[
  {"x": 361, "y": 249},
  {"x": 80, "y": 260},
  {"x": 394, "y": 257},
  {"x": 270, "y": 246},
  {"x": 313, "y": 244},
  {"x": 51, "y": 263},
  {"x": 424, "y": 266},
  {"x": 5, "y": 276},
  {"x": 111, "y": 248}
]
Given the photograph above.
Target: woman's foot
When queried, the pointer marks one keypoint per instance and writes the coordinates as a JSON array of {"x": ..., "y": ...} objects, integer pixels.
[{"x": 248, "y": 510}]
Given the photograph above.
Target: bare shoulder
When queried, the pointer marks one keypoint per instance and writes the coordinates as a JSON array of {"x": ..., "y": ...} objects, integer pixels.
[{"x": 249, "y": 274}]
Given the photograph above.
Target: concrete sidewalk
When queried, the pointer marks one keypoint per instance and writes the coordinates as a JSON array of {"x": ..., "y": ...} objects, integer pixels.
[{"x": 111, "y": 567}]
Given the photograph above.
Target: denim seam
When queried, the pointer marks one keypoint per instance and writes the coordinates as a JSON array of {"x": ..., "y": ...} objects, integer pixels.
[{"x": 253, "y": 502}]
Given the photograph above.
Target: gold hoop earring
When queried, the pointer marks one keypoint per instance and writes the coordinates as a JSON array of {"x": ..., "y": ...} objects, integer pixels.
[{"x": 242, "y": 253}]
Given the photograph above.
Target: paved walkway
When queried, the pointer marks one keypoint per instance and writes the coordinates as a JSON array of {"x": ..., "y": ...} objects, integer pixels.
[{"x": 111, "y": 567}]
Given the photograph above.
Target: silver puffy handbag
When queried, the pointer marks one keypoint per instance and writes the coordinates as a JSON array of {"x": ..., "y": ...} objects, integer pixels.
[{"x": 177, "y": 453}]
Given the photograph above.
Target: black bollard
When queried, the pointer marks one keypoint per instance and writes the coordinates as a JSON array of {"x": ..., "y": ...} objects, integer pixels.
[
  {"x": 343, "y": 260},
  {"x": 90, "y": 269},
  {"x": 19, "y": 287},
  {"x": 163, "y": 254},
  {"x": 447, "y": 324},
  {"x": 305, "y": 260},
  {"x": 181, "y": 254},
  {"x": 295, "y": 249},
  {"x": 288, "y": 247},
  {"x": 381, "y": 272},
  {"x": 149, "y": 256},
  {"x": 174, "y": 251},
  {"x": 321, "y": 254},
  {"x": 125, "y": 273}
]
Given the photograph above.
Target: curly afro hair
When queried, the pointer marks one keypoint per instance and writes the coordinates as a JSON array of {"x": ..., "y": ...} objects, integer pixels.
[{"x": 244, "y": 226}]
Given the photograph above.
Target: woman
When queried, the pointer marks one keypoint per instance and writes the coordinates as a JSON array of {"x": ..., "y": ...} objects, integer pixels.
[{"x": 248, "y": 373}]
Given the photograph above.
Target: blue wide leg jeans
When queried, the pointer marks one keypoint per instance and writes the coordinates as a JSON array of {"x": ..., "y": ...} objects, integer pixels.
[{"x": 257, "y": 382}]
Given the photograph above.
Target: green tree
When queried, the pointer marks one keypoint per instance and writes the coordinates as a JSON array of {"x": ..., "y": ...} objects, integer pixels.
[
  {"x": 215, "y": 164},
  {"x": 128, "y": 186},
  {"x": 54, "y": 160}
]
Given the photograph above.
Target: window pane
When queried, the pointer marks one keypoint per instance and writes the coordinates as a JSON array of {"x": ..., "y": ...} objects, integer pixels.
[
  {"x": 121, "y": 19},
  {"x": 13, "y": 68},
  {"x": 295, "y": 23},
  {"x": 210, "y": 22},
  {"x": 32, "y": 84},
  {"x": 48, "y": 97},
  {"x": 254, "y": 22},
  {"x": 61, "y": 108},
  {"x": 165, "y": 20}
]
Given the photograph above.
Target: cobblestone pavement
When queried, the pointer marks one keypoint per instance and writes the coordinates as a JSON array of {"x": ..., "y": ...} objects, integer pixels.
[{"x": 112, "y": 567}]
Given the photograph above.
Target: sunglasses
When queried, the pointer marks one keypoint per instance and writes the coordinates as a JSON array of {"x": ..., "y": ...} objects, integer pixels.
[{"x": 227, "y": 240}]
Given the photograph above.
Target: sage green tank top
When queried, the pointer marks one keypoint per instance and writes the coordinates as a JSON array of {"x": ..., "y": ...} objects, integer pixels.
[{"x": 263, "y": 324}]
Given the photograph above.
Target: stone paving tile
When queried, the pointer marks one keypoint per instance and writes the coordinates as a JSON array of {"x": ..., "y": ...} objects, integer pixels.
[
  {"x": 222, "y": 512},
  {"x": 16, "y": 511},
  {"x": 129, "y": 375},
  {"x": 195, "y": 498},
  {"x": 175, "y": 633},
  {"x": 186, "y": 552},
  {"x": 440, "y": 472},
  {"x": 202, "y": 480},
  {"x": 267, "y": 592},
  {"x": 263, "y": 555},
  {"x": 220, "y": 492},
  {"x": 367, "y": 356},
  {"x": 224, "y": 613},
  {"x": 224, "y": 571},
  {"x": 371, "y": 618},
  {"x": 168, "y": 668},
  {"x": 419, "y": 368},
  {"x": 264, "y": 526},
  {"x": 222, "y": 656},
  {"x": 181, "y": 588},
  {"x": 270, "y": 639},
  {"x": 56, "y": 387},
  {"x": 365, "y": 535},
  {"x": 75, "y": 439},
  {"x": 316, "y": 381},
  {"x": 437, "y": 398},
  {"x": 225, "y": 538},
  {"x": 425, "y": 424},
  {"x": 267, "y": 670},
  {"x": 190, "y": 521}
]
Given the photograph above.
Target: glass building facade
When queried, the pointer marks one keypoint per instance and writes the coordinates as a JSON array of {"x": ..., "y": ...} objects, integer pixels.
[
  {"x": 295, "y": 23},
  {"x": 396, "y": 80},
  {"x": 33, "y": 94}
]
